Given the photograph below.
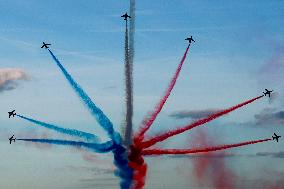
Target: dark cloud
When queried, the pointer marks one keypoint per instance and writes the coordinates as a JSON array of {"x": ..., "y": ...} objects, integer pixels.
[
  {"x": 110, "y": 87},
  {"x": 98, "y": 184},
  {"x": 262, "y": 183},
  {"x": 271, "y": 154},
  {"x": 270, "y": 179},
  {"x": 9, "y": 78},
  {"x": 99, "y": 177},
  {"x": 94, "y": 170},
  {"x": 209, "y": 155},
  {"x": 104, "y": 180},
  {"x": 230, "y": 155},
  {"x": 193, "y": 114},
  {"x": 270, "y": 116}
]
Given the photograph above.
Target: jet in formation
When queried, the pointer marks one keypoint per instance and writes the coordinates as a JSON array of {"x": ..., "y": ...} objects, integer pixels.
[
  {"x": 125, "y": 16},
  {"x": 275, "y": 137},
  {"x": 190, "y": 39},
  {"x": 267, "y": 92},
  {"x": 12, "y": 113},
  {"x": 12, "y": 139},
  {"x": 45, "y": 45}
]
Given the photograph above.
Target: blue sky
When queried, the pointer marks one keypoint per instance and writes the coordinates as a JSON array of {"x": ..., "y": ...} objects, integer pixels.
[{"x": 235, "y": 41}]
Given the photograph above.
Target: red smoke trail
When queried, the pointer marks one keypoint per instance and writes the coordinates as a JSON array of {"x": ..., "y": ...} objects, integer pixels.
[
  {"x": 139, "y": 175},
  {"x": 139, "y": 167},
  {"x": 168, "y": 134},
  {"x": 200, "y": 150},
  {"x": 148, "y": 120}
]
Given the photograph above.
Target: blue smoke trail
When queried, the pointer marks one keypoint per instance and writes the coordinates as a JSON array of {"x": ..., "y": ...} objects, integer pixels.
[
  {"x": 120, "y": 155},
  {"x": 71, "y": 132},
  {"x": 101, "y": 148},
  {"x": 121, "y": 162},
  {"x": 101, "y": 118}
]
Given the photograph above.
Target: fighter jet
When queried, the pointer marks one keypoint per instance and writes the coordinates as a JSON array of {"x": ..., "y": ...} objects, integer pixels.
[
  {"x": 275, "y": 137},
  {"x": 189, "y": 39},
  {"x": 12, "y": 113},
  {"x": 12, "y": 139},
  {"x": 45, "y": 45},
  {"x": 126, "y": 16},
  {"x": 267, "y": 92}
]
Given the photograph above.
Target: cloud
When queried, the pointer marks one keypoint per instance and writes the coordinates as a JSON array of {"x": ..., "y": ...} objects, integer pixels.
[
  {"x": 208, "y": 155},
  {"x": 100, "y": 177},
  {"x": 94, "y": 170},
  {"x": 230, "y": 155},
  {"x": 271, "y": 179},
  {"x": 273, "y": 97},
  {"x": 267, "y": 117},
  {"x": 268, "y": 182},
  {"x": 193, "y": 114},
  {"x": 271, "y": 154},
  {"x": 271, "y": 72},
  {"x": 109, "y": 87},
  {"x": 270, "y": 116},
  {"x": 10, "y": 77},
  {"x": 274, "y": 67}
]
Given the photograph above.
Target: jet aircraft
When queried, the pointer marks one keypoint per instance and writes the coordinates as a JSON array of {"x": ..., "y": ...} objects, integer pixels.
[
  {"x": 275, "y": 137},
  {"x": 126, "y": 16},
  {"x": 267, "y": 92},
  {"x": 45, "y": 45},
  {"x": 12, "y": 113},
  {"x": 12, "y": 139},
  {"x": 190, "y": 39}
]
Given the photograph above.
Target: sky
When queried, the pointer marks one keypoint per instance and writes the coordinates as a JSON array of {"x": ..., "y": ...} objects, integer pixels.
[{"x": 238, "y": 52}]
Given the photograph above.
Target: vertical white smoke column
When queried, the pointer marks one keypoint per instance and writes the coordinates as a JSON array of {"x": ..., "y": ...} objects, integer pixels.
[
  {"x": 128, "y": 91},
  {"x": 129, "y": 76}
]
